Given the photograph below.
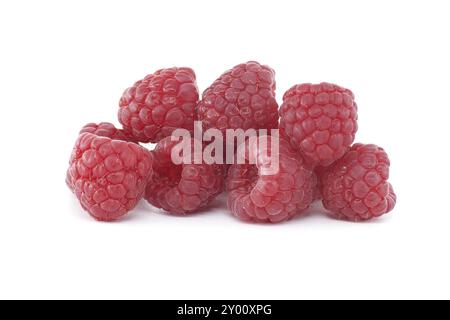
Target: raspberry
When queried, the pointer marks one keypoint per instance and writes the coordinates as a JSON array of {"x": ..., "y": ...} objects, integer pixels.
[
  {"x": 103, "y": 129},
  {"x": 241, "y": 98},
  {"x": 259, "y": 197},
  {"x": 185, "y": 188},
  {"x": 160, "y": 103},
  {"x": 320, "y": 120},
  {"x": 106, "y": 129},
  {"x": 108, "y": 176},
  {"x": 356, "y": 188}
]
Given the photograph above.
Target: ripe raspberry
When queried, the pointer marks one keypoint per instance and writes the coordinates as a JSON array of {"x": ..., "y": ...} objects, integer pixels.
[
  {"x": 106, "y": 129},
  {"x": 108, "y": 176},
  {"x": 242, "y": 98},
  {"x": 260, "y": 197},
  {"x": 356, "y": 188},
  {"x": 184, "y": 188},
  {"x": 103, "y": 129},
  {"x": 160, "y": 103},
  {"x": 320, "y": 120}
]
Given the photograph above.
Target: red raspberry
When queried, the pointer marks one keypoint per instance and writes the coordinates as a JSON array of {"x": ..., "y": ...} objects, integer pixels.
[
  {"x": 106, "y": 129},
  {"x": 242, "y": 98},
  {"x": 356, "y": 188},
  {"x": 258, "y": 197},
  {"x": 108, "y": 176},
  {"x": 184, "y": 188},
  {"x": 320, "y": 120},
  {"x": 103, "y": 129},
  {"x": 160, "y": 103}
]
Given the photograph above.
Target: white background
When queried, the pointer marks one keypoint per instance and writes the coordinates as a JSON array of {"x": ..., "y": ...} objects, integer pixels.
[{"x": 66, "y": 63}]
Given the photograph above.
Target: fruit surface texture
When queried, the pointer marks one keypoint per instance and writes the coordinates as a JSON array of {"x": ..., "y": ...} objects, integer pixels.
[
  {"x": 257, "y": 196},
  {"x": 108, "y": 176},
  {"x": 154, "y": 107},
  {"x": 356, "y": 187},
  {"x": 241, "y": 98},
  {"x": 320, "y": 120}
]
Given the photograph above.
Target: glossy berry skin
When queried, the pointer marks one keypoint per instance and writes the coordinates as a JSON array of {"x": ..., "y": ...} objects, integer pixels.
[
  {"x": 185, "y": 188},
  {"x": 356, "y": 187},
  {"x": 255, "y": 196},
  {"x": 106, "y": 129},
  {"x": 160, "y": 103},
  {"x": 320, "y": 120},
  {"x": 108, "y": 176},
  {"x": 241, "y": 98}
]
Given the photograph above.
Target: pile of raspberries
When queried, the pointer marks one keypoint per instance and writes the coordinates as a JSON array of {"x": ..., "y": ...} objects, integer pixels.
[{"x": 110, "y": 172}]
